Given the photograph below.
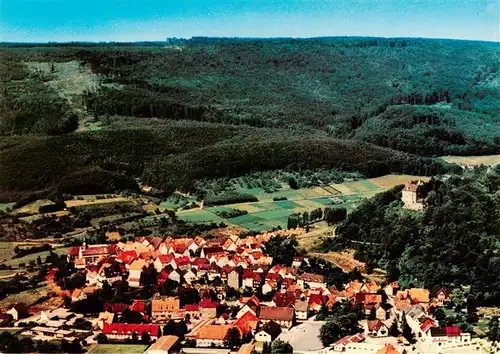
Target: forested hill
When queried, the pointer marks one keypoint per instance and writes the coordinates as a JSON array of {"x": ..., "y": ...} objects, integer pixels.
[
  {"x": 332, "y": 84},
  {"x": 454, "y": 241},
  {"x": 419, "y": 96}
]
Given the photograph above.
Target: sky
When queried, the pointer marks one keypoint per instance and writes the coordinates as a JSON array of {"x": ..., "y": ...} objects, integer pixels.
[{"x": 154, "y": 20}]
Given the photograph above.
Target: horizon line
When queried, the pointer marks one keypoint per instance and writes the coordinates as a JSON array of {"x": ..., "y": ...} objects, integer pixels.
[{"x": 240, "y": 37}]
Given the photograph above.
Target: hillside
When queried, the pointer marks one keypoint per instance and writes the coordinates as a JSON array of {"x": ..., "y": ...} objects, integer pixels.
[
  {"x": 242, "y": 105},
  {"x": 176, "y": 154}
]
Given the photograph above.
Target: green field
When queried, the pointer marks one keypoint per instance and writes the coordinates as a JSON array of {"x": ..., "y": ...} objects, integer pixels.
[
  {"x": 117, "y": 349},
  {"x": 5, "y": 206},
  {"x": 198, "y": 215},
  {"x": 267, "y": 213}
]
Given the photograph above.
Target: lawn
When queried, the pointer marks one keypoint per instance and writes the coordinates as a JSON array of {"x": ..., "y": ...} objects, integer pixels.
[
  {"x": 117, "y": 349},
  {"x": 5, "y": 206}
]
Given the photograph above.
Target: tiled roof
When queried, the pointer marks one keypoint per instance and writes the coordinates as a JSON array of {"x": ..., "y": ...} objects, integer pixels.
[
  {"x": 375, "y": 325},
  {"x": 138, "y": 306},
  {"x": 213, "y": 332},
  {"x": 251, "y": 275},
  {"x": 421, "y": 295},
  {"x": 165, "y": 258},
  {"x": 428, "y": 323},
  {"x": 317, "y": 299},
  {"x": 312, "y": 277},
  {"x": 164, "y": 343},
  {"x": 127, "y": 256},
  {"x": 388, "y": 349},
  {"x": 192, "y": 307},
  {"x": 453, "y": 331},
  {"x": 276, "y": 313},
  {"x": 208, "y": 304},
  {"x": 247, "y": 322},
  {"x": 182, "y": 261},
  {"x": 301, "y": 306},
  {"x": 115, "y": 307}
]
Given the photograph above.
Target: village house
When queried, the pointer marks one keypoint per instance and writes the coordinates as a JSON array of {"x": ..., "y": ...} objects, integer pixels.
[
  {"x": 212, "y": 335},
  {"x": 105, "y": 317},
  {"x": 247, "y": 323},
  {"x": 162, "y": 261},
  {"x": 164, "y": 308},
  {"x": 269, "y": 332},
  {"x": 234, "y": 279},
  {"x": 440, "y": 296},
  {"x": 301, "y": 310},
  {"x": 412, "y": 195},
  {"x": 18, "y": 311},
  {"x": 91, "y": 253},
  {"x": 284, "y": 316},
  {"x": 123, "y": 331},
  {"x": 135, "y": 272},
  {"x": 449, "y": 334},
  {"x": 252, "y": 279},
  {"x": 208, "y": 309},
  {"x": 175, "y": 275},
  {"x": 377, "y": 328}
]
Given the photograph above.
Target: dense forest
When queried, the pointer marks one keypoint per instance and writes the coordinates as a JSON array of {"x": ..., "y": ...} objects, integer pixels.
[
  {"x": 176, "y": 111},
  {"x": 454, "y": 241},
  {"x": 179, "y": 154}
]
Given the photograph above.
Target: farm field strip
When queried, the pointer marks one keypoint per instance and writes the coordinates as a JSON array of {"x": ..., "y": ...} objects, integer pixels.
[
  {"x": 266, "y": 213},
  {"x": 473, "y": 160}
]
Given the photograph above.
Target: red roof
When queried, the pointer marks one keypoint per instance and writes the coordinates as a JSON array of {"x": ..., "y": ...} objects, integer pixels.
[
  {"x": 273, "y": 276},
  {"x": 374, "y": 325},
  {"x": 317, "y": 299},
  {"x": 452, "y": 331},
  {"x": 199, "y": 261},
  {"x": 249, "y": 274},
  {"x": 208, "y": 304},
  {"x": 316, "y": 278},
  {"x": 116, "y": 307},
  {"x": 95, "y": 251},
  {"x": 276, "y": 313},
  {"x": 166, "y": 258},
  {"x": 179, "y": 248},
  {"x": 428, "y": 323},
  {"x": 138, "y": 306},
  {"x": 129, "y": 329},
  {"x": 247, "y": 322},
  {"x": 127, "y": 256},
  {"x": 192, "y": 307},
  {"x": 285, "y": 299},
  {"x": 180, "y": 261}
]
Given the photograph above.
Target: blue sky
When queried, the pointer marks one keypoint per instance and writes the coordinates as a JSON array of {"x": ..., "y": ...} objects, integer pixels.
[{"x": 136, "y": 20}]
